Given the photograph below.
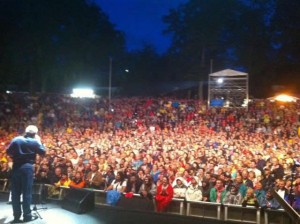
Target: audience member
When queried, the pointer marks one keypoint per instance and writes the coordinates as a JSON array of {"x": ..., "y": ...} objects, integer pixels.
[
  {"x": 118, "y": 184},
  {"x": 194, "y": 190},
  {"x": 179, "y": 186},
  {"x": 94, "y": 178},
  {"x": 148, "y": 188},
  {"x": 133, "y": 184},
  {"x": 281, "y": 189},
  {"x": 250, "y": 199},
  {"x": 268, "y": 201},
  {"x": 218, "y": 192},
  {"x": 164, "y": 195},
  {"x": 77, "y": 181},
  {"x": 259, "y": 192},
  {"x": 233, "y": 196}
]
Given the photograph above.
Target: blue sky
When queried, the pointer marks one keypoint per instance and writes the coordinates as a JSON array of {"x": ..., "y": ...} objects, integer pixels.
[{"x": 140, "y": 20}]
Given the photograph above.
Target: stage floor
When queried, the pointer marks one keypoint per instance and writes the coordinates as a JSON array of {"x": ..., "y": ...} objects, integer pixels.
[{"x": 51, "y": 212}]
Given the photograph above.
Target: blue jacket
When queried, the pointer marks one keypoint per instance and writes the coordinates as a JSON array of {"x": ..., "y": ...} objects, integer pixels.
[{"x": 23, "y": 150}]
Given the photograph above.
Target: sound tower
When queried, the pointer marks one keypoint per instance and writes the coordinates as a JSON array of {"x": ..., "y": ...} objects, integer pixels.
[{"x": 79, "y": 200}]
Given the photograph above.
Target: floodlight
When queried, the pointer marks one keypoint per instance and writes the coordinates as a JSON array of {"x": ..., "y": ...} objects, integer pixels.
[
  {"x": 285, "y": 98},
  {"x": 83, "y": 93},
  {"x": 220, "y": 80},
  {"x": 227, "y": 103}
]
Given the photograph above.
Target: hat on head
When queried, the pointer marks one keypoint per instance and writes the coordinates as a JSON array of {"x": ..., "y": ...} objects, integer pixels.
[
  {"x": 181, "y": 179},
  {"x": 32, "y": 129}
]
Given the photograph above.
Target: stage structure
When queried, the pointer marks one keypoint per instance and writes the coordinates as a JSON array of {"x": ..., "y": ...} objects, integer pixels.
[{"x": 228, "y": 88}]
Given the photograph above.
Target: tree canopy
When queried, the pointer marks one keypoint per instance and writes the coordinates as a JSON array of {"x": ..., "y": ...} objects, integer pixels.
[
  {"x": 50, "y": 44},
  {"x": 258, "y": 37}
]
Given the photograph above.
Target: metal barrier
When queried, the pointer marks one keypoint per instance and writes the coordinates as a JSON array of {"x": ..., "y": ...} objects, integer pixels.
[
  {"x": 60, "y": 194},
  {"x": 37, "y": 193},
  {"x": 176, "y": 206},
  {"x": 249, "y": 214},
  {"x": 100, "y": 196},
  {"x": 204, "y": 209},
  {"x": 278, "y": 216},
  {"x": 4, "y": 185},
  {"x": 136, "y": 202},
  {"x": 289, "y": 210},
  {"x": 210, "y": 210}
]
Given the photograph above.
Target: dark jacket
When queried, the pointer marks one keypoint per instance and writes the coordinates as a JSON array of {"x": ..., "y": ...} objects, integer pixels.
[{"x": 23, "y": 150}]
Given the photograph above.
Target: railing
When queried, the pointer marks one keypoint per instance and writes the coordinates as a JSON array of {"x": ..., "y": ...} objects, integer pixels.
[
  {"x": 3, "y": 185},
  {"x": 204, "y": 209},
  {"x": 249, "y": 214},
  {"x": 277, "y": 216},
  {"x": 289, "y": 210},
  {"x": 100, "y": 197},
  {"x": 176, "y": 206},
  {"x": 210, "y": 210}
]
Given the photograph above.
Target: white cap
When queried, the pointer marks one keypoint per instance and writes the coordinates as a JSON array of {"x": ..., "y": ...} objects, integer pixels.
[{"x": 32, "y": 129}]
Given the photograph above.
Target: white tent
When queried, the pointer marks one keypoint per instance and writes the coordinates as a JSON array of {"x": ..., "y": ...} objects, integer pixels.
[
  {"x": 228, "y": 88},
  {"x": 228, "y": 73}
]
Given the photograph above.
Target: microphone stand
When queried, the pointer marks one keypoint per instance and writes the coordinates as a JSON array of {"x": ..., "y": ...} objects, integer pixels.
[{"x": 35, "y": 209}]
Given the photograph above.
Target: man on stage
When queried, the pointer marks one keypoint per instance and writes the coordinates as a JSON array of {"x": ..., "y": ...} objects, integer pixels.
[{"x": 23, "y": 150}]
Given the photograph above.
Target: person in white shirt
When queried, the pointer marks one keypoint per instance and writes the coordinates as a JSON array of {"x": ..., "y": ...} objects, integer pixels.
[
  {"x": 118, "y": 184},
  {"x": 194, "y": 190}
]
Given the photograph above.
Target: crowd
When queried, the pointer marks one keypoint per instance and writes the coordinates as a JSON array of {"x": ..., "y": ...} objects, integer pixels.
[{"x": 161, "y": 147}]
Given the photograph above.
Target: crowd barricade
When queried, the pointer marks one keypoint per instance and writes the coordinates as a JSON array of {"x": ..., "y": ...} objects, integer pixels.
[
  {"x": 201, "y": 209},
  {"x": 37, "y": 193},
  {"x": 248, "y": 214},
  {"x": 4, "y": 185},
  {"x": 136, "y": 202},
  {"x": 100, "y": 196},
  {"x": 176, "y": 206},
  {"x": 276, "y": 216},
  {"x": 60, "y": 194},
  {"x": 204, "y": 209}
]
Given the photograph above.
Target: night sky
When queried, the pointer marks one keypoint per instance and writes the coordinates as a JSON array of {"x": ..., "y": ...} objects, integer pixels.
[{"x": 140, "y": 20}]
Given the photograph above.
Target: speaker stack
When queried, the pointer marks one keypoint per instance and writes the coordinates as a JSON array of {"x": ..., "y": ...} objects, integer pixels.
[{"x": 79, "y": 200}]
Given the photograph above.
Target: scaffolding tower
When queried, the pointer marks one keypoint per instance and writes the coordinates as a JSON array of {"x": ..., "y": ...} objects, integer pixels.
[{"x": 228, "y": 88}]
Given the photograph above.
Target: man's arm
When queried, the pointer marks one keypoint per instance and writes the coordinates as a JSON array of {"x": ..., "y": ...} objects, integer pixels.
[{"x": 40, "y": 147}]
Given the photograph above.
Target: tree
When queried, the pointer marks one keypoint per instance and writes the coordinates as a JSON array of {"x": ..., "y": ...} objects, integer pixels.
[
  {"x": 249, "y": 41},
  {"x": 145, "y": 70},
  {"x": 234, "y": 34},
  {"x": 285, "y": 26},
  {"x": 53, "y": 44},
  {"x": 198, "y": 29}
]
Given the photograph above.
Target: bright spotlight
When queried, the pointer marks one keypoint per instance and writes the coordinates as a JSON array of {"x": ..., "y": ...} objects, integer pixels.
[
  {"x": 227, "y": 103},
  {"x": 285, "y": 98},
  {"x": 220, "y": 80},
  {"x": 127, "y": 70},
  {"x": 83, "y": 93}
]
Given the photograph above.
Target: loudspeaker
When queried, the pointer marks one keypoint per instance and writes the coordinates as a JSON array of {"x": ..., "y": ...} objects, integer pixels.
[{"x": 79, "y": 200}]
